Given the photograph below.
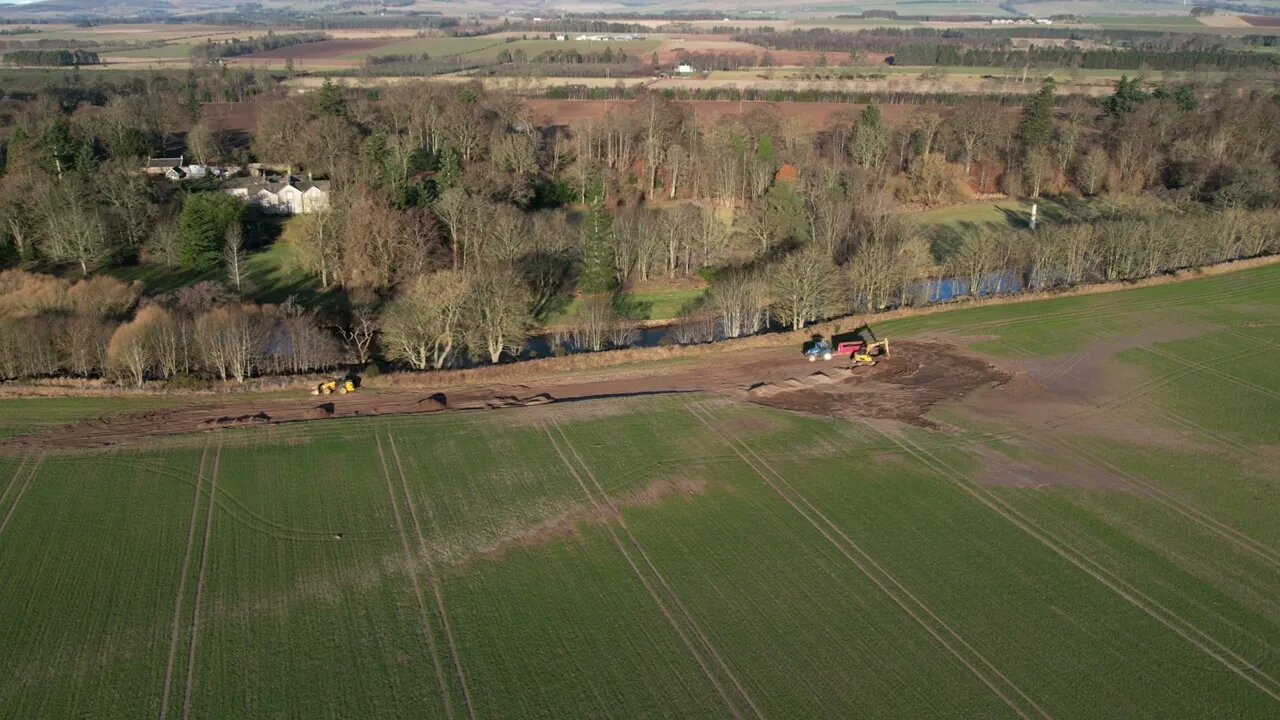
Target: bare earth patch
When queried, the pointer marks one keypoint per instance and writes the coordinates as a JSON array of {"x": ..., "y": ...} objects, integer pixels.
[
  {"x": 902, "y": 387},
  {"x": 999, "y": 470}
]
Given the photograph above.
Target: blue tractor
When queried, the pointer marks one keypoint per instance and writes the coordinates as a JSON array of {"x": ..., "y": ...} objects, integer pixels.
[{"x": 819, "y": 350}]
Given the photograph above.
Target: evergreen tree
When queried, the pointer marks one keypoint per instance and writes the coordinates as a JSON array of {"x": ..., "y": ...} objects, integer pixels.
[
  {"x": 869, "y": 138},
  {"x": 377, "y": 160},
  {"x": 330, "y": 100},
  {"x": 1126, "y": 98},
  {"x": 449, "y": 171},
  {"x": 1036, "y": 128},
  {"x": 598, "y": 275},
  {"x": 870, "y": 117},
  {"x": 202, "y": 228},
  {"x": 15, "y": 151},
  {"x": 190, "y": 94},
  {"x": 58, "y": 149},
  {"x": 86, "y": 161}
]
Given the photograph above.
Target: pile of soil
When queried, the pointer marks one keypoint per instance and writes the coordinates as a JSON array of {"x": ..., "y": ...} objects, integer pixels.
[
  {"x": 236, "y": 420},
  {"x": 320, "y": 412}
]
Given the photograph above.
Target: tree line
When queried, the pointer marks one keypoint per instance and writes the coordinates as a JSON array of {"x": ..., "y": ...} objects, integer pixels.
[
  {"x": 1102, "y": 59},
  {"x": 101, "y": 327},
  {"x": 568, "y": 56},
  {"x": 51, "y": 58},
  {"x": 214, "y": 49},
  {"x": 889, "y": 39}
]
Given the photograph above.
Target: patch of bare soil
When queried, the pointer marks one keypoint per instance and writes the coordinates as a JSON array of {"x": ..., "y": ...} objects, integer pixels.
[
  {"x": 1079, "y": 391},
  {"x": 565, "y": 524},
  {"x": 902, "y": 387},
  {"x": 999, "y": 470}
]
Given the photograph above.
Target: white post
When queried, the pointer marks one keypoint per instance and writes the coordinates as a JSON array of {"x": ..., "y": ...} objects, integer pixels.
[{"x": 1034, "y": 209}]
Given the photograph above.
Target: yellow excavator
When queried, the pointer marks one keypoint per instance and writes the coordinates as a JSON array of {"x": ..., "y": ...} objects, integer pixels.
[
  {"x": 867, "y": 355},
  {"x": 342, "y": 386}
]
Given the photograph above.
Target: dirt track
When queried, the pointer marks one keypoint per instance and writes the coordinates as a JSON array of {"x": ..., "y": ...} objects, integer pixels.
[{"x": 902, "y": 387}]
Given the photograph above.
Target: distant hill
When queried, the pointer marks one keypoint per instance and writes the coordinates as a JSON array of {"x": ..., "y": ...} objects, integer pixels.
[{"x": 93, "y": 7}]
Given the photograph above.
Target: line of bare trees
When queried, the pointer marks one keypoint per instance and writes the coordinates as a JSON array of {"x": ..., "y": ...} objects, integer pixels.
[
  {"x": 95, "y": 328},
  {"x": 900, "y": 268}
]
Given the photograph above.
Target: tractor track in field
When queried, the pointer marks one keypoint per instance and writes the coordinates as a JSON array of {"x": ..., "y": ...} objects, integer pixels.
[
  {"x": 200, "y": 580},
  {"x": 992, "y": 678},
  {"x": 613, "y": 507},
  {"x": 22, "y": 465},
  {"x": 1200, "y": 639},
  {"x": 411, "y": 568},
  {"x": 234, "y": 508},
  {"x": 1136, "y": 392},
  {"x": 1225, "y": 293},
  {"x": 1188, "y": 424},
  {"x": 686, "y": 634},
  {"x": 433, "y": 577},
  {"x": 1150, "y": 490},
  {"x": 175, "y": 631},
  {"x": 17, "y": 498},
  {"x": 1209, "y": 369},
  {"x": 1170, "y": 501}
]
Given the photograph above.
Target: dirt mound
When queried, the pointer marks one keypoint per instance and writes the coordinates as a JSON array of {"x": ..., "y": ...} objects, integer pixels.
[
  {"x": 319, "y": 412},
  {"x": 506, "y": 401},
  {"x": 236, "y": 420},
  {"x": 438, "y": 401}
]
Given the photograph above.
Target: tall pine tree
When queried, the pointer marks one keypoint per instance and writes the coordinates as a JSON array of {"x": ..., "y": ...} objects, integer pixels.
[
  {"x": 330, "y": 100},
  {"x": 202, "y": 228},
  {"x": 1036, "y": 129},
  {"x": 598, "y": 274}
]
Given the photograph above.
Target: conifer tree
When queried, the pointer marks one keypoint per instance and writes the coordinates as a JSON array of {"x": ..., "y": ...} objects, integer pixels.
[
  {"x": 598, "y": 274},
  {"x": 1036, "y": 128}
]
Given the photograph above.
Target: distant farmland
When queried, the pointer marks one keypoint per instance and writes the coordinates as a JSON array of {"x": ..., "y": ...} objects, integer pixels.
[
  {"x": 352, "y": 52},
  {"x": 1095, "y": 537}
]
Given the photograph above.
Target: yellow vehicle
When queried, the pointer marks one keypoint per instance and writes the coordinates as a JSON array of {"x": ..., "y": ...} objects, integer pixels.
[
  {"x": 342, "y": 386},
  {"x": 866, "y": 356}
]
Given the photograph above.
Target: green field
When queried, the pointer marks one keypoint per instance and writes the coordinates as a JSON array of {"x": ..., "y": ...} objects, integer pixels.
[
  {"x": 912, "y": 8},
  {"x": 433, "y": 46},
  {"x": 690, "y": 555},
  {"x": 272, "y": 276},
  {"x": 644, "y": 305},
  {"x": 488, "y": 47},
  {"x": 998, "y": 214},
  {"x": 164, "y": 52}
]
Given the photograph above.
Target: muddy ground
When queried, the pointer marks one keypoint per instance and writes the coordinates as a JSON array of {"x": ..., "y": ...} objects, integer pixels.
[{"x": 902, "y": 387}]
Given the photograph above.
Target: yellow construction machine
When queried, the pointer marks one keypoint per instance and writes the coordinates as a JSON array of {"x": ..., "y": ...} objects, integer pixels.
[
  {"x": 866, "y": 356},
  {"x": 342, "y": 386}
]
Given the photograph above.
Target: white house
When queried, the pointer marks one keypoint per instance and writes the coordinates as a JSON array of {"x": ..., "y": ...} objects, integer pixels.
[
  {"x": 290, "y": 196},
  {"x": 685, "y": 70}
]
